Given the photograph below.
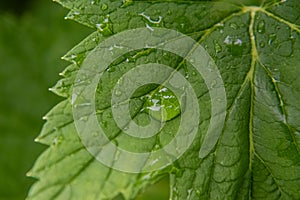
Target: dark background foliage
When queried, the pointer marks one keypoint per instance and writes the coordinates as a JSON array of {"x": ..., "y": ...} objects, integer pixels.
[
  {"x": 33, "y": 37},
  {"x": 15, "y": 6}
]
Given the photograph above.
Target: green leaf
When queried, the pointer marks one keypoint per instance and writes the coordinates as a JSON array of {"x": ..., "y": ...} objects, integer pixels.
[{"x": 255, "y": 45}]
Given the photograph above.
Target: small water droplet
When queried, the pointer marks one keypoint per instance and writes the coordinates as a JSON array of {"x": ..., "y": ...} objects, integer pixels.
[
  {"x": 149, "y": 27},
  {"x": 175, "y": 191},
  {"x": 164, "y": 89},
  {"x": 271, "y": 38},
  {"x": 104, "y": 123},
  {"x": 261, "y": 26},
  {"x": 238, "y": 42},
  {"x": 109, "y": 115},
  {"x": 118, "y": 93},
  {"x": 156, "y": 147},
  {"x": 233, "y": 26},
  {"x": 83, "y": 104},
  {"x": 111, "y": 69},
  {"x": 189, "y": 193},
  {"x": 146, "y": 177},
  {"x": 218, "y": 47},
  {"x": 155, "y": 106},
  {"x": 220, "y": 27},
  {"x": 261, "y": 44},
  {"x": 69, "y": 17},
  {"x": 153, "y": 162},
  {"x": 99, "y": 26},
  {"x": 84, "y": 118},
  {"x": 74, "y": 97},
  {"x": 104, "y": 7},
  {"x": 58, "y": 140},
  {"x": 228, "y": 40},
  {"x": 95, "y": 134},
  {"x": 213, "y": 84}
]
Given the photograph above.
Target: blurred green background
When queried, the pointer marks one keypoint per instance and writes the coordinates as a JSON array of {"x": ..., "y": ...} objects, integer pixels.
[{"x": 33, "y": 37}]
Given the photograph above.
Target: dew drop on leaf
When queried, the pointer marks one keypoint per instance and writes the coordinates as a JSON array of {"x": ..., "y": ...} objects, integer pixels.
[
  {"x": 271, "y": 38},
  {"x": 104, "y": 7},
  {"x": 233, "y": 26},
  {"x": 162, "y": 105},
  {"x": 261, "y": 27},
  {"x": 261, "y": 44},
  {"x": 218, "y": 47}
]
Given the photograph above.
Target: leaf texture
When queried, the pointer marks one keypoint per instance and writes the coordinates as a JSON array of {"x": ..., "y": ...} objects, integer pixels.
[{"x": 255, "y": 45}]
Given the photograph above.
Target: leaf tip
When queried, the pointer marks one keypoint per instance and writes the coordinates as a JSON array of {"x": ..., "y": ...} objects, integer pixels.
[{"x": 29, "y": 173}]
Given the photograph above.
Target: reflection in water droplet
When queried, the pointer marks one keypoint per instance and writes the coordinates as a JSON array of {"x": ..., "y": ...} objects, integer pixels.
[
  {"x": 162, "y": 105},
  {"x": 261, "y": 26},
  {"x": 234, "y": 45},
  {"x": 228, "y": 40},
  {"x": 155, "y": 106},
  {"x": 238, "y": 42}
]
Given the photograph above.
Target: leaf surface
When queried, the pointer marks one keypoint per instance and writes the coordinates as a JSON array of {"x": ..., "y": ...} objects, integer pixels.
[{"x": 256, "y": 48}]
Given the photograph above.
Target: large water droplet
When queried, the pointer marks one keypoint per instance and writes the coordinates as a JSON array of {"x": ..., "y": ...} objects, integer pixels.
[{"x": 162, "y": 105}]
